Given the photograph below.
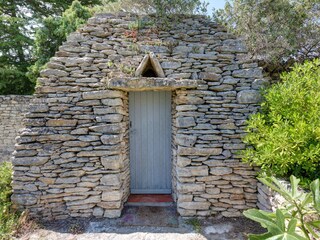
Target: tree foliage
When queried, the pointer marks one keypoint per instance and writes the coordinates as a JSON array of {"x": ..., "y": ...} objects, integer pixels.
[
  {"x": 53, "y": 33},
  {"x": 18, "y": 21},
  {"x": 159, "y": 7},
  {"x": 285, "y": 135},
  {"x": 277, "y": 32}
]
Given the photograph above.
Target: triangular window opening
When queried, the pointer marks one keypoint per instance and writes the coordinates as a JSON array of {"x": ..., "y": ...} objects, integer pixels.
[
  {"x": 149, "y": 67},
  {"x": 149, "y": 70}
]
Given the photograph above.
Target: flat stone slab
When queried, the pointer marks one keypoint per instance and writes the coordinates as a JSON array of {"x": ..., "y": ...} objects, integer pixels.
[
  {"x": 150, "y": 216},
  {"x": 145, "y": 84}
]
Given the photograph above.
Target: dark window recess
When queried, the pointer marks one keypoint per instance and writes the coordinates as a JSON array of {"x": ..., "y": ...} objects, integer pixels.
[{"x": 149, "y": 73}]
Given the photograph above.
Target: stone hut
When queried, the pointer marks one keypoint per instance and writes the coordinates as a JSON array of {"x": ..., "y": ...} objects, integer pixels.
[{"x": 128, "y": 106}]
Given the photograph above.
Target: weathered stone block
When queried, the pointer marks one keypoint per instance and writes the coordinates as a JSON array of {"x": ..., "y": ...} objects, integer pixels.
[
  {"x": 67, "y": 180},
  {"x": 170, "y": 65},
  {"x": 24, "y": 199},
  {"x": 112, "y": 102},
  {"x": 111, "y": 196},
  {"x": 53, "y": 73},
  {"x": 204, "y": 56},
  {"x": 185, "y": 122},
  {"x": 103, "y": 94},
  {"x": 98, "y": 212},
  {"x": 89, "y": 138},
  {"x": 259, "y": 83},
  {"x": 114, "y": 162},
  {"x": 77, "y": 173},
  {"x": 210, "y": 76},
  {"x": 234, "y": 146},
  {"x": 61, "y": 123},
  {"x": 92, "y": 199},
  {"x": 190, "y": 187},
  {"x": 248, "y": 73},
  {"x": 195, "y": 205},
  {"x": 220, "y": 170},
  {"x": 111, "y": 180},
  {"x": 183, "y": 151},
  {"x": 30, "y": 161},
  {"x": 213, "y": 190},
  {"x": 47, "y": 181},
  {"x": 186, "y": 140},
  {"x": 110, "y": 205},
  {"x": 111, "y": 139},
  {"x": 112, "y": 213},
  {"x": 192, "y": 171},
  {"x": 180, "y": 99},
  {"x": 183, "y": 161},
  {"x": 110, "y": 118},
  {"x": 108, "y": 128},
  {"x": 25, "y": 153},
  {"x": 248, "y": 96},
  {"x": 186, "y": 212}
]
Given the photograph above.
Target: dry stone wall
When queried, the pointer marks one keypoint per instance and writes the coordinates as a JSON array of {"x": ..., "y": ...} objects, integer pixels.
[
  {"x": 12, "y": 110},
  {"x": 72, "y": 159},
  {"x": 268, "y": 199}
]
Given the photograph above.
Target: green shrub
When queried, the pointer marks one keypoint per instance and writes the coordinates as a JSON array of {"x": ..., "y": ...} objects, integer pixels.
[
  {"x": 285, "y": 135},
  {"x": 8, "y": 218},
  {"x": 298, "y": 218}
]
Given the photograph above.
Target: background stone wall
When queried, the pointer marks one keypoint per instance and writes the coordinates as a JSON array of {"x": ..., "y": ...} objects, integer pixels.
[
  {"x": 72, "y": 157},
  {"x": 268, "y": 199},
  {"x": 12, "y": 111}
]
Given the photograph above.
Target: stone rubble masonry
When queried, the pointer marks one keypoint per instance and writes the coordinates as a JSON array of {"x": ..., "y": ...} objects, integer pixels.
[
  {"x": 12, "y": 110},
  {"x": 72, "y": 158},
  {"x": 268, "y": 199}
]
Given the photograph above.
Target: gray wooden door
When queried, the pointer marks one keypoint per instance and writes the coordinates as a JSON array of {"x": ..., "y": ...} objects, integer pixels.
[{"x": 150, "y": 142}]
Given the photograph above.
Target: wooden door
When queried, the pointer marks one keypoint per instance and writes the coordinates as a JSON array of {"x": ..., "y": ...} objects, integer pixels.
[{"x": 150, "y": 142}]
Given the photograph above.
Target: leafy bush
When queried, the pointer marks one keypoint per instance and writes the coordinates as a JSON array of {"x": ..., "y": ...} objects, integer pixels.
[
  {"x": 14, "y": 81},
  {"x": 285, "y": 135},
  {"x": 297, "y": 219},
  {"x": 8, "y": 218}
]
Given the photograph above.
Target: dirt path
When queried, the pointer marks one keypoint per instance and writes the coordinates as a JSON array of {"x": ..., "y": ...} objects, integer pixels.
[
  {"x": 106, "y": 229},
  {"x": 45, "y": 234}
]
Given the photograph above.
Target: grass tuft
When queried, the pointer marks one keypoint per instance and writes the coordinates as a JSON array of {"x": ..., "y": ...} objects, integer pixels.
[{"x": 9, "y": 218}]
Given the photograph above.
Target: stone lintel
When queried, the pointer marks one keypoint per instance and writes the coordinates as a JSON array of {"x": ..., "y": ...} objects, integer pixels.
[{"x": 144, "y": 84}]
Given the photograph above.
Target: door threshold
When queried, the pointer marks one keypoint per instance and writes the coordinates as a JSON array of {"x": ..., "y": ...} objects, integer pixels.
[
  {"x": 149, "y": 204},
  {"x": 150, "y": 200}
]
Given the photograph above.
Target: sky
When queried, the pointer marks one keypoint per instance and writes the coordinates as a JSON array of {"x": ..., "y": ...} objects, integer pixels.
[{"x": 215, "y": 4}]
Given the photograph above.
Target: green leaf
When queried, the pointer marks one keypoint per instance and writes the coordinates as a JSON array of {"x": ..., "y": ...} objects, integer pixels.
[
  {"x": 315, "y": 189},
  {"x": 260, "y": 236},
  {"x": 315, "y": 223},
  {"x": 294, "y": 185},
  {"x": 263, "y": 218},
  {"x": 292, "y": 225},
  {"x": 286, "y": 236},
  {"x": 310, "y": 227},
  {"x": 280, "y": 220}
]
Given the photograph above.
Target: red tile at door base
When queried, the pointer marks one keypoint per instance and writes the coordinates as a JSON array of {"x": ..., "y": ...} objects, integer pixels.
[{"x": 156, "y": 198}]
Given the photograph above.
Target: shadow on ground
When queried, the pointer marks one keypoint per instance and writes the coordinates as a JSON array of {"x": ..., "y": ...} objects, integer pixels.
[{"x": 146, "y": 223}]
